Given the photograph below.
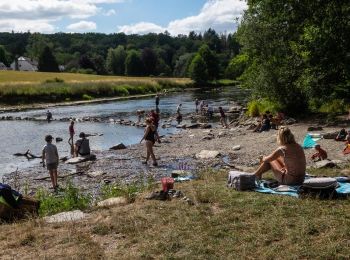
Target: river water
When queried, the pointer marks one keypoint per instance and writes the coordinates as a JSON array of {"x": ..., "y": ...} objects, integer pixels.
[{"x": 18, "y": 136}]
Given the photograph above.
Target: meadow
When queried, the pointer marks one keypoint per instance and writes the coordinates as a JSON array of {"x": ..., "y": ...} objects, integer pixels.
[
  {"x": 40, "y": 87},
  {"x": 222, "y": 224}
]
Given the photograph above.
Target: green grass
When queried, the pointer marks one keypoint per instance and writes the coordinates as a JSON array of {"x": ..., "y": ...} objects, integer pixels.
[
  {"x": 222, "y": 224},
  {"x": 29, "y": 87}
]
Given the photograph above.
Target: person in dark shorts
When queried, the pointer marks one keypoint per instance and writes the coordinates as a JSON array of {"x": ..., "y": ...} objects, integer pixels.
[
  {"x": 82, "y": 145},
  {"x": 50, "y": 156},
  {"x": 48, "y": 116},
  {"x": 197, "y": 104},
  {"x": 71, "y": 132},
  {"x": 223, "y": 118},
  {"x": 149, "y": 137},
  {"x": 157, "y": 100}
]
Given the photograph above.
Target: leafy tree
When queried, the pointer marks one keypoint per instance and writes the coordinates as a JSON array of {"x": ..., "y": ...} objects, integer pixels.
[
  {"x": 47, "y": 62},
  {"x": 3, "y": 57},
  {"x": 85, "y": 62},
  {"x": 149, "y": 59},
  {"x": 36, "y": 44},
  {"x": 116, "y": 60},
  {"x": 236, "y": 66},
  {"x": 182, "y": 65},
  {"x": 162, "y": 69},
  {"x": 198, "y": 70},
  {"x": 211, "y": 38},
  {"x": 133, "y": 64},
  {"x": 210, "y": 61}
]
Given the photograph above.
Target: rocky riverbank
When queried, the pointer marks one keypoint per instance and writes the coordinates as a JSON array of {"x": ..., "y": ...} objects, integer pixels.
[{"x": 235, "y": 147}]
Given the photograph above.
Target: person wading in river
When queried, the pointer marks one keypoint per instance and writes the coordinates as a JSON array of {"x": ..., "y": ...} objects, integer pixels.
[
  {"x": 149, "y": 137},
  {"x": 71, "y": 137},
  {"x": 50, "y": 156}
]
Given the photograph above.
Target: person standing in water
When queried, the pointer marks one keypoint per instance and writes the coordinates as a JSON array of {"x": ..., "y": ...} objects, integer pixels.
[
  {"x": 71, "y": 137},
  {"x": 50, "y": 156},
  {"x": 149, "y": 137},
  {"x": 48, "y": 116},
  {"x": 223, "y": 118},
  {"x": 157, "y": 100},
  {"x": 197, "y": 104}
]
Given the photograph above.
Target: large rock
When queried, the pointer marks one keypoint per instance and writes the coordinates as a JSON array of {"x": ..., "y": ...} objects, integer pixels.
[
  {"x": 314, "y": 128},
  {"x": 325, "y": 164},
  {"x": 193, "y": 126},
  {"x": 119, "y": 146},
  {"x": 66, "y": 216},
  {"x": 207, "y": 154},
  {"x": 81, "y": 159},
  {"x": 236, "y": 147},
  {"x": 330, "y": 135},
  {"x": 95, "y": 174},
  {"x": 112, "y": 202}
]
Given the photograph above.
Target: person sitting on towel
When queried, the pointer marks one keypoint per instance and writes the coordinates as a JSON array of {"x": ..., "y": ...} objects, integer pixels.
[
  {"x": 287, "y": 162},
  {"x": 320, "y": 154}
]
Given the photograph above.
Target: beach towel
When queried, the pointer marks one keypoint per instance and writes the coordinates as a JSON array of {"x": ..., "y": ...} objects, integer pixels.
[
  {"x": 343, "y": 189},
  {"x": 308, "y": 142}
]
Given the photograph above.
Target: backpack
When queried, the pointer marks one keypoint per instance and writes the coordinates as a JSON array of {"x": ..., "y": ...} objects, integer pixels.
[
  {"x": 241, "y": 181},
  {"x": 321, "y": 188}
]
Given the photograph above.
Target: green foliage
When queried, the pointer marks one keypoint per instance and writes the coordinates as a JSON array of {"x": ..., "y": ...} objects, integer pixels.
[
  {"x": 198, "y": 70},
  {"x": 210, "y": 60},
  {"x": 115, "y": 61},
  {"x": 297, "y": 51},
  {"x": 87, "y": 97},
  {"x": 3, "y": 58},
  {"x": 133, "y": 64},
  {"x": 68, "y": 198},
  {"x": 258, "y": 107},
  {"x": 47, "y": 62},
  {"x": 236, "y": 66},
  {"x": 335, "y": 106},
  {"x": 182, "y": 65}
]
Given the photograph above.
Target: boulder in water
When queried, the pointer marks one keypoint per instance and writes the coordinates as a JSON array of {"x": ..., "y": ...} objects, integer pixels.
[{"x": 119, "y": 146}]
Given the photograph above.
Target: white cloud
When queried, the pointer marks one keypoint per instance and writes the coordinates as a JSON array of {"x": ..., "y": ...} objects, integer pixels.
[
  {"x": 219, "y": 15},
  {"x": 26, "y": 25},
  {"x": 110, "y": 12},
  {"x": 141, "y": 28},
  {"x": 82, "y": 26},
  {"x": 40, "y": 15}
]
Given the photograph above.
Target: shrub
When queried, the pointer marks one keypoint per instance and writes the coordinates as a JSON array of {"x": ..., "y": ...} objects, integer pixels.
[
  {"x": 87, "y": 97},
  {"x": 258, "y": 107},
  {"x": 335, "y": 106},
  {"x": 69, "y": 198}
]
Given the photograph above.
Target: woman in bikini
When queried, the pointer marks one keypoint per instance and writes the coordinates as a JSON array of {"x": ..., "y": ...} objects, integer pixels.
[
  {"x": 287, "y": 162},
  {"x": 149, "y": 136}
]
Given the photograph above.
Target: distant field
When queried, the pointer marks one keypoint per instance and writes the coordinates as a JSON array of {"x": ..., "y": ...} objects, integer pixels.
[
  {"x": 41, "y": 87},
  {"x": 36, "y": 77}
]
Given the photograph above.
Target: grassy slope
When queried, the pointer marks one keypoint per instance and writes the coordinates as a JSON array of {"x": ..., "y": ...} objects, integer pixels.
[
  {"x": 223, "y": 224},
  {"x": 39, "y": 77}
]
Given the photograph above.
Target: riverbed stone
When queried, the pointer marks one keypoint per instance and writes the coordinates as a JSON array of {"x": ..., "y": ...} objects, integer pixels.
[
  {"x": 330, "y": 135},
  {"x": 59, "y": 139},
  {"x": 66, "y": 216},
  {"x": 81, "y": 159},
  {"x": 236, "y": 147},
  {"x": 315, "y": 128},
  {"x": 324, "y": 164},
  {"x": 117, "y": 201},
  {"x": 119, "y": 146},
  {"x": 95, "y": 174},
  {"x": 207, "y": 154}
]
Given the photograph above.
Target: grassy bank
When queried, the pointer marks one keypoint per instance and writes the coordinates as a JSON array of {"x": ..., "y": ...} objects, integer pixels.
[
  {"x": 223, "y": 224},
  {"x": 30, "y": 87}
]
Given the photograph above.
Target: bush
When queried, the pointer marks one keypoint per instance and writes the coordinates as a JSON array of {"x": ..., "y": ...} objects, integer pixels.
[
  {"x": 69, "y": 198},
  {"x": 258, "y": 107},
  {"x": 335, "y": 106},
  {"x": 87, "y": 97}
]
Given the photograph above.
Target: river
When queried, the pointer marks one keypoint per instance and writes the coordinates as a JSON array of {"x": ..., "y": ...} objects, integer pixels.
[{"x": 18, "y": 136}]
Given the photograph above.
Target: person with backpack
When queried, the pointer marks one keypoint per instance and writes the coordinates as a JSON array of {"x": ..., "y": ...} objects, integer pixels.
[{"x": 50, "y": 157}]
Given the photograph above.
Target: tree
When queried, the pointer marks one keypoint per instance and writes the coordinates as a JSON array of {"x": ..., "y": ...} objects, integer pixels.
[
  {"x": 210, "y": 61},
  {"x": 115, "y": 62},
  {"x": 236, "y": 66},
  {"x": 198, "y": 70},
  {"x": 182, "y": 65},
  {"x": 149, "y": 59},
  {"x": 36, "y": 44},
  {"x": 85, "y": 62},
  {"x": 133, "y": 64},
  {"x": 47, "y": 61},
  {"x": 3, "y": 55}
]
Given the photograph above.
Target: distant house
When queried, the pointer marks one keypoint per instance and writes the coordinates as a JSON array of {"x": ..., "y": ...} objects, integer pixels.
[
  {"x": 3, "y": 66},
  {"x": 24, "y": 64}
]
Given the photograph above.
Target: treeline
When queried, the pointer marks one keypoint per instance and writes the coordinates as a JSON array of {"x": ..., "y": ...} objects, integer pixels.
[
  {"x": 296, "y": 54},
  {"x": 202, "y": 56}
]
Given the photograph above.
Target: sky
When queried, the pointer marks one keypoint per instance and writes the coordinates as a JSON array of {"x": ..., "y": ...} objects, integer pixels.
[{"x": 112, "y": 16}]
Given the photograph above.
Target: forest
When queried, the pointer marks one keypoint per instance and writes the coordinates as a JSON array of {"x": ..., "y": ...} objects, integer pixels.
[{"x": 292, "y": 55}]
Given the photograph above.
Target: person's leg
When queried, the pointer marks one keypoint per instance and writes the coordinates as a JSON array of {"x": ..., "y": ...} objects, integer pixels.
[
  {"x": 147, "y": 151},
  {"x": 278, "y": 169},
  {"x": 55, "y": 177},
  {"x": 264, "y": 167},
  {"x": 52, "y": 178}
]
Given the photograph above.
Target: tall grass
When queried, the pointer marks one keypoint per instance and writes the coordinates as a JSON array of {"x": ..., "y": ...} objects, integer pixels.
[{"x": 57, "y": 90}]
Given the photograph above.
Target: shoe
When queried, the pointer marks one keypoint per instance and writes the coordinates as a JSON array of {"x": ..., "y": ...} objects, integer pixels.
[
  {"x": 155, "y": 164},
  {"x": 144, "y": 162}
]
